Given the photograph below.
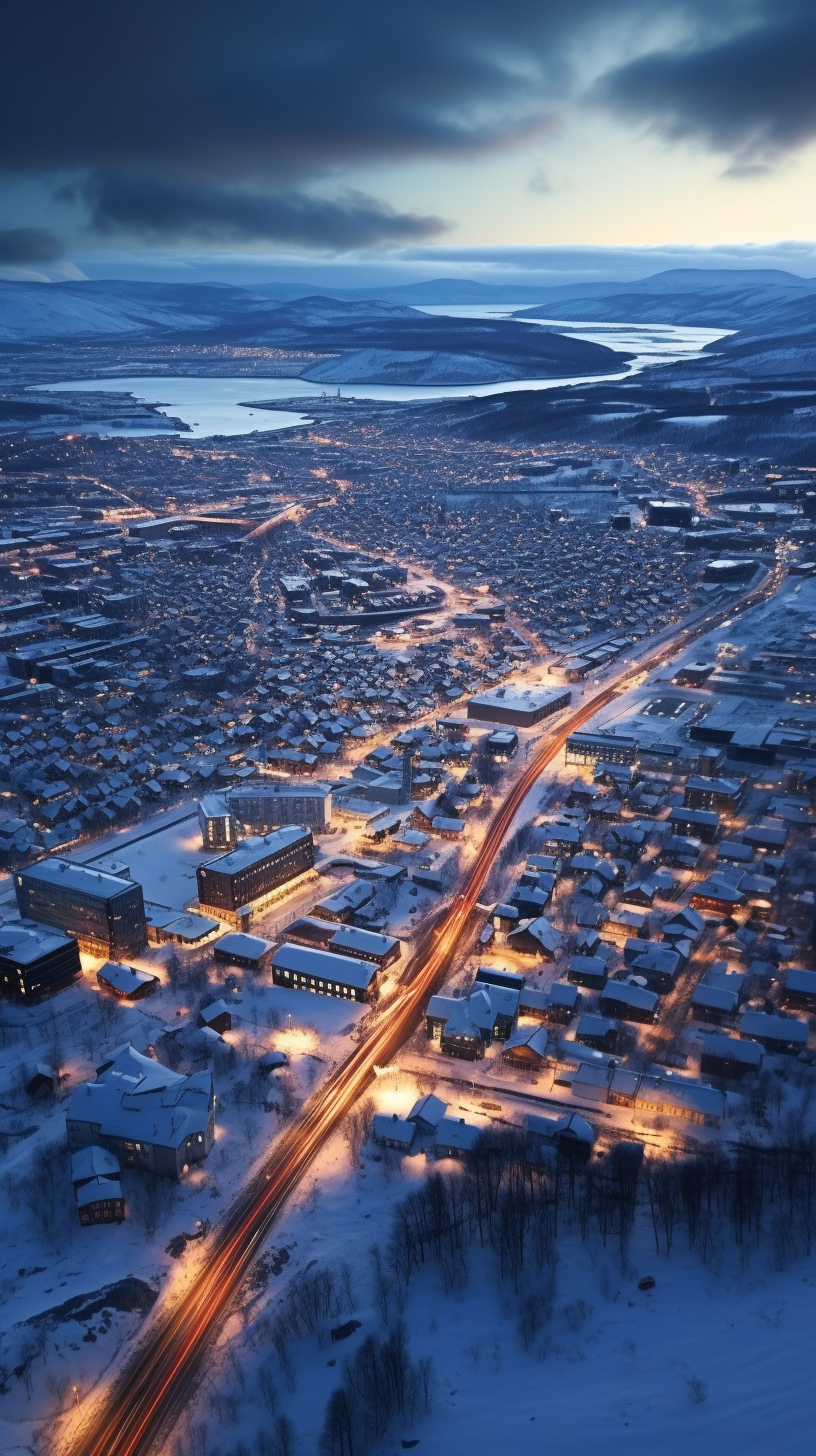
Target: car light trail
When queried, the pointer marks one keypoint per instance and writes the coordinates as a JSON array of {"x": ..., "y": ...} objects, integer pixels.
[{"x": 143, "y": 1402}]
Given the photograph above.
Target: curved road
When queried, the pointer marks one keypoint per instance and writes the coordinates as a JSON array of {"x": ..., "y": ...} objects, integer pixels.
[{"x": 140, "y": 1407}]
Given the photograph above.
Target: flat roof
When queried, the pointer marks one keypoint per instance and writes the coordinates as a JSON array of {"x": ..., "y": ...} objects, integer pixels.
[
  {"x": 82, "y": 878},
  {"x": 258, "y": 848},
  {"x": 282, "y": 789},
  {"x": 25, "y": 942},
  {"x": 513, "y": 696}
]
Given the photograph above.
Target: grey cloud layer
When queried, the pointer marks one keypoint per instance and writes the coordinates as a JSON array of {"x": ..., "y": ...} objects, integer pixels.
[
  {"x": 752, "y": 95},
  {"x": 232, "y": 122},
  {"x": 28, "y": 245}
]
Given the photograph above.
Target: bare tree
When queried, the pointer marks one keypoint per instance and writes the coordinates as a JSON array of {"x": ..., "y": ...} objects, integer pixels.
[{"x": 356, "y": 1128}]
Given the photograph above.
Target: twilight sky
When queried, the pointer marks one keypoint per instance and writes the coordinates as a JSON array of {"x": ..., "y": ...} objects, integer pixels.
[{"x": 258, "y": 139}]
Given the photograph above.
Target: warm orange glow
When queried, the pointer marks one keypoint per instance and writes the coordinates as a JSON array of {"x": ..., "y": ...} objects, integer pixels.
[{"x": 145, "y": 1400}]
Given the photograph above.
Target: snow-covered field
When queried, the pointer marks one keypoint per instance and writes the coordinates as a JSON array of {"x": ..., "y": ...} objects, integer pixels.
[{"x": 716, "y": 1356}]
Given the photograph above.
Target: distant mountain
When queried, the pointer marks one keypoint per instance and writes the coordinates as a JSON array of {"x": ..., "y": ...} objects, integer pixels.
[
  {"x": 89, "y": 309},
  {"x": 727, "y": 298},
  {"x": 724, "y": 298},
  {"x": 372, "y": 340}
]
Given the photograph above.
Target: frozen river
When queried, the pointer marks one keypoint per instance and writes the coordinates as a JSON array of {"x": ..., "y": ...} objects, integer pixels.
[{"x": 229, "y": 405}]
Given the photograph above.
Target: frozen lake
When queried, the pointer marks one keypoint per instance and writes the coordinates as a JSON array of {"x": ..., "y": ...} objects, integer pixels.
[{"x": 229, "y": 405}]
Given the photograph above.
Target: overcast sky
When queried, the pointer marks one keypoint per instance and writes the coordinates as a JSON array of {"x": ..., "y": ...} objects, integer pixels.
[{"x": 422, "y": 136}]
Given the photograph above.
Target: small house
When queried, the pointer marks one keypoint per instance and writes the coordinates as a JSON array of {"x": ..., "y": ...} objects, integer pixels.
[
  {"x": 570, "y": 1133},
  {"x": 438, "y": 1010},
  {"x": 455, "y": 1138},
  {"x": 427, "y": 1113},
  {"x": 526, "y": 1049},
  {"x": 627, "y": 1002},
  {"x": 217, "y": 1017},
  {"x": 799, "y": 990},
  {"x": 462, "y": 1035},
  {"x": 717, "y": 896},
  {"x": 730, "y": 1057},
  {"x": 589, "y": 971},
  {"x": 535, "y": 937},
  {"x": 394, "y": 1132},
  {"x": 95, "y": 1174},
  {"x": 43, "y": 1081},
  {"x": 564, "y": 999},
  {"x": 601, "y": 1033},
  {"x": 126, "y": 982},
  {"x": 783, "y": 1034},
  {"x": 713, "y": 1003},
  {"x": 534, "y": 1003},
  {"x": 659, "y": 967},
  {"x": 240, "y": 949}
]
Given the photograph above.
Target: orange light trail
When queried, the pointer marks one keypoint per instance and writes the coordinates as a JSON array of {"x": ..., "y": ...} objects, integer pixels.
[{"x": 145, "y": 1400}]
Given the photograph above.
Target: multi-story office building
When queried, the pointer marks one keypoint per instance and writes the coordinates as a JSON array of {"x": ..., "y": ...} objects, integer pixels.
[
  {"x": 254, "y": 869},
  {"x": 36, "y": 961},
  {"x": 258, "y": 808},
  {"x": 104, "y": 912}
]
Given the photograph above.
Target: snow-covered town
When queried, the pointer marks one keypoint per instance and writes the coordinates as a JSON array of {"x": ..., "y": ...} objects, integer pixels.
[{"x": 255, "y": 747}]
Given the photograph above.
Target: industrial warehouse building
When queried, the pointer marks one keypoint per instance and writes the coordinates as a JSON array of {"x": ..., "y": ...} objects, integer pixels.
[
  {"x": 36, "y": 961},
  {"x": 104, "y": 912},
  {"x": 254, "y": 870},
  {"x": 303, "y": 969},
  {"x": 518, "y": 707}
]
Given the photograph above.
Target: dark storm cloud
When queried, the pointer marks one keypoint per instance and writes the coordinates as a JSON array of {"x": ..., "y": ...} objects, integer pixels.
[
  {"x": 278, "y": 89},
  {"x": 223, "y": 102},
  {"x": 228, "y": 121},
  {"x": 19, "y": 246},
  {"x": 752, "y": 95},
  {"x": 159, "y": 209}
]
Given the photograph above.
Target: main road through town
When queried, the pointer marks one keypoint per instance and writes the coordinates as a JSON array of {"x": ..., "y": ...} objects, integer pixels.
[{"x": 135, "y": 1412}]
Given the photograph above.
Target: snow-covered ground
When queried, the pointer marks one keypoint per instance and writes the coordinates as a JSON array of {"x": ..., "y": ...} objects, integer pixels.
[
  {"x": 46, "y": 1257},
  {"x": 717, "y": 1355}
]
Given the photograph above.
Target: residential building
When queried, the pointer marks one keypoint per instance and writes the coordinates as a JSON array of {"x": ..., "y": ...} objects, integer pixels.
[
  {"x": 150, "y": 1117},
  {"x": 394, "y": 1132},
  {"x": 730, "y": 1056},
  {"x": 627, "y": 1002},
  {"x": 126, "y": 982},
  {"x": 258, "y": 807},
  {"x": 238, "y": 949},
  {"x": 218, "y": 830},
  {"x": 95, "y": 1175},
  {"x": 593, "y": 748}
]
